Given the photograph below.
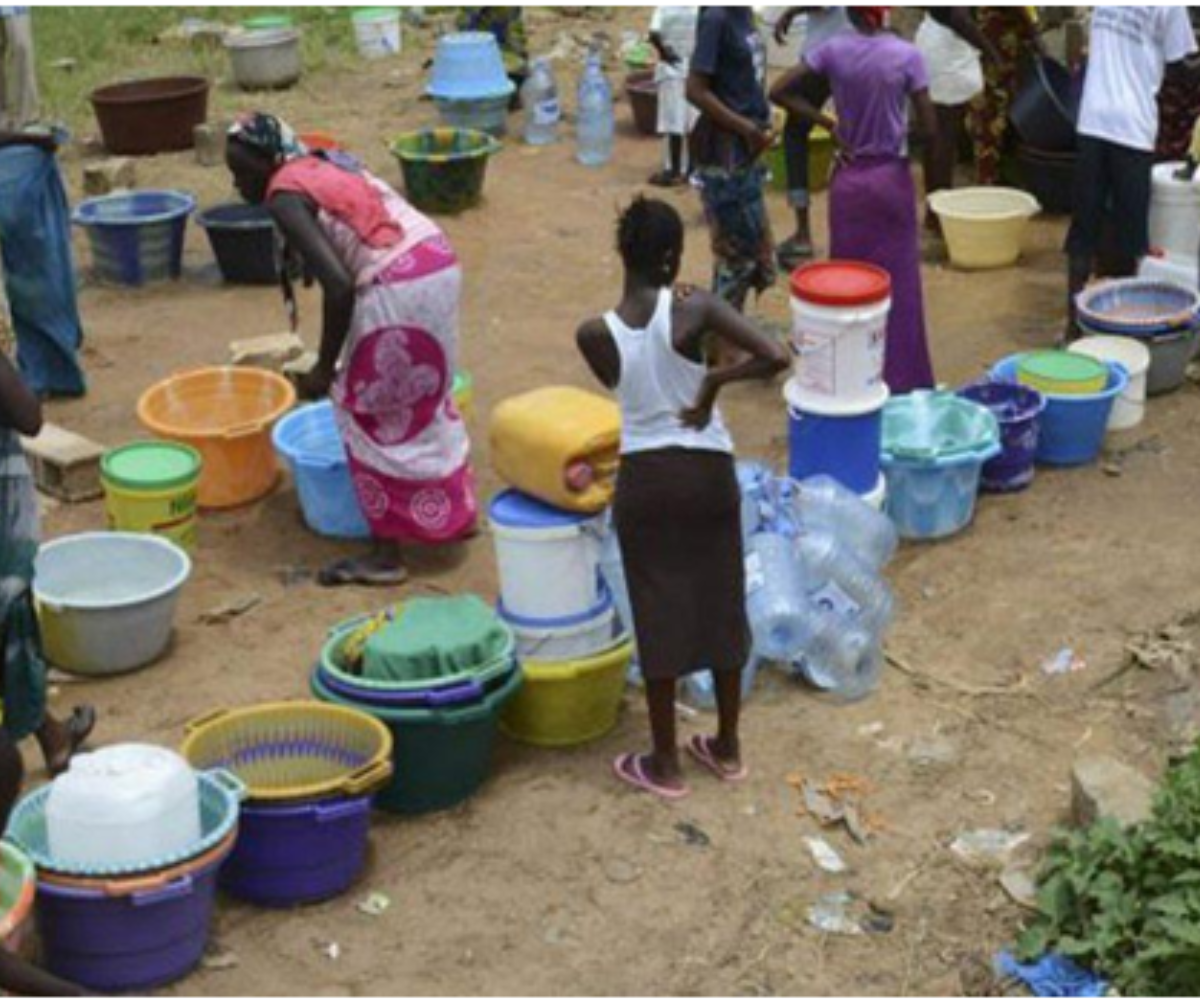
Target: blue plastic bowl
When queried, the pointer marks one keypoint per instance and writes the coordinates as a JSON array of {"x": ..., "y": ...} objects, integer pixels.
[
  {"x": 1018, "y": 409},
  {"x": 468, "y": 66},
  {"x": 136, "y": 236},
  {"x": 308, "y": 439},
  {"x": 1073, "y": 427}
]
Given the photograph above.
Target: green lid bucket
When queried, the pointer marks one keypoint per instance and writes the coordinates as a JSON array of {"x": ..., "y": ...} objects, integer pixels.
[
  {"x": 375, "y": 14},
  {"x": 1062, "y": 372},
  {"x": 151, "y": 466},
  {"x": 268, "y": 22}
]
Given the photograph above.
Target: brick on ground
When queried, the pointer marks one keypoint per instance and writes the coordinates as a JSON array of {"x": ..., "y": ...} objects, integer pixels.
[
  {"x": 114, "y": 173},
  {"x": 65, "y": 465},
  {"x": 273, "y": 352}
]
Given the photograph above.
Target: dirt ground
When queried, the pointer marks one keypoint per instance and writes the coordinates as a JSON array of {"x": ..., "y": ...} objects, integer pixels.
[{"x": 555, "y": 879}]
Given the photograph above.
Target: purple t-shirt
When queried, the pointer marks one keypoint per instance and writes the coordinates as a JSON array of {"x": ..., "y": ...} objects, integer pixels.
[{"x": 872, "y": 77}]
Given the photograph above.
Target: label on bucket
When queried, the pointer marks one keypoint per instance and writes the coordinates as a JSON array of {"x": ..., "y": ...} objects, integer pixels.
[
  {"x": 755, "y": 578},
  {"x": 831, "y": 597},
  {"x": 848, "y": 361}
]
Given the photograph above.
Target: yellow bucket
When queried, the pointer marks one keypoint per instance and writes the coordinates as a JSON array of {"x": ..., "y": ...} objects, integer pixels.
[
  {"x": 152, "y": 487},
  {"x": 565, "y": 704}
]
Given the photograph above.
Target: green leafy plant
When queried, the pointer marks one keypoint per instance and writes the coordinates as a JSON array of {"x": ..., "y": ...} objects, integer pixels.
[{"x": 1126, "y": 903}]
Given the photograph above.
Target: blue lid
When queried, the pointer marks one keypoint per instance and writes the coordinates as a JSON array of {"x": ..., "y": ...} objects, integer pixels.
[{"x": 513, "y": 509}]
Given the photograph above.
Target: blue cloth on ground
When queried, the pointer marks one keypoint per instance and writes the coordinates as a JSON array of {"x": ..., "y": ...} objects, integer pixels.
[
  {"x": 35, "y": 242},
  {"x": 1052, "y": 976}
]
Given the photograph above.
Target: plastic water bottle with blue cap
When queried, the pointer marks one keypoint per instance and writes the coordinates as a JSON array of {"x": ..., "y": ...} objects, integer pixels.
[
  {"x": 539, "y": 99},
  {"x": 825, "y": 504},
  {"x": 595, "y": 124}
]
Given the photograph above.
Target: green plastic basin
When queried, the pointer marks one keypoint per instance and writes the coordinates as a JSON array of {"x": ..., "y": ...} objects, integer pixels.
[{"x": 444, "y": 168}]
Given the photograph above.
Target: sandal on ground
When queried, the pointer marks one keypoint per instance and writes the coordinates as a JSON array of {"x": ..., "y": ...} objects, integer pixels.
[
  {"x": 357, "y": 573},
  {"x": 79, "y": 727},
  {"x": 631, "y": 769},
  {"x": 701, "y": 750},
  {"x": 667, "y": 179}
]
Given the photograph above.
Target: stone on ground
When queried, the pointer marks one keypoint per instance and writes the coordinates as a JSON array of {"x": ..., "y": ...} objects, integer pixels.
[{"x": 1102, "y": 788}]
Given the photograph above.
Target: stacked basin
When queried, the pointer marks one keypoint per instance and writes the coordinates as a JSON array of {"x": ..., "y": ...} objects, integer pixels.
[
  {"x": 569, "y": 639},
  {"x": 935, "y": 445},
  {"x": 310, "y": 772},
  {"x": 437, "y": 672},
  {"x": 129, "y": 927},
  {"x": 1160, "y": 314},
  {"x": 469, "y": 82},
  {"x": 837, "y": 393}
]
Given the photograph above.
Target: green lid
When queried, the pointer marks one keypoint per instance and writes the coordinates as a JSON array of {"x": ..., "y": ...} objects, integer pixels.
[
  {"x": 267, "y": 22},
  {"x": 1063, "y": 367},
  {"x": 151, "y": 465},
  {"x": 373, "y": 13}
]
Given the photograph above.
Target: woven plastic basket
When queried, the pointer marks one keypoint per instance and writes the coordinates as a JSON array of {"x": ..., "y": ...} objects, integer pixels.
[{"x": 287, "y": 751}]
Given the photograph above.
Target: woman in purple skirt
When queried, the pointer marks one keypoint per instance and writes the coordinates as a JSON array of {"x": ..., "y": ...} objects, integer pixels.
[{"x": 872, "y": 200}]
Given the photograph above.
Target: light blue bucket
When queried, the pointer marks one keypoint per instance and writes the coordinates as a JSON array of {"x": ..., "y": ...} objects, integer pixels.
[
  {"x": 468, "y": 66},
  {"x": 137, "y": 236},
  {"x": 933, "y": 465},
  {"x": 308, "y": 439},
  {"x": 1073, "y": 427}
]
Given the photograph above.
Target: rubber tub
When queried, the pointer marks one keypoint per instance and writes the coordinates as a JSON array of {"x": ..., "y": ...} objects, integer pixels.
[
  {"x": 226, "y": 414},
  {"x": 642, "y": 91},
  {"x": 1045, "y": 109},
  {"x": 309, "y": 441},
  {"x": 18, "y": 886},
  {"x": 1018, "y": 410},
  {"x": 146, "y": 117},
  {"x": 130, "y": 935},
  {"x": 136, "y": 237},
  {"x": 1073, "y": 427},
  {"x": 265, "y": 60},
  {"x": 242, "y": 238},
  {"x": 934, "y": 449},
  {"x": 291, "y": 855},
  {"x": 1138, "y": 307},
  {"x": 107, "y": 601},
  {"x": 984, "y": 227},
  {"x": 442, "y": 756},
  {"x": 444, "y": 168},
  {"x": 569, "y": 702}
]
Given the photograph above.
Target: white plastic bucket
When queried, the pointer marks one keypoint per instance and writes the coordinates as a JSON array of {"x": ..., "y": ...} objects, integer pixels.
[
  {"x": 1175, "y": 212},
  {"x": 1183, "y": 271},
  {"x": 547, "y": 571},
  {"x": 1130, "y": 407},
  {"x": 377, "y": 32},
  {"x": 839, "y": 351},
  {"x": 556, "y": 641}
]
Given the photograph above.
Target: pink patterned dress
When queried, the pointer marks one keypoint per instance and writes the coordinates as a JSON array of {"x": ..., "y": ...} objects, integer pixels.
[{"x": 407, "y": 444}]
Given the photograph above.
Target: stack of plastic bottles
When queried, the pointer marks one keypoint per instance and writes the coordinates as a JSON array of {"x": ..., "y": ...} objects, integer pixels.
[{"x": 815, "y": 593}]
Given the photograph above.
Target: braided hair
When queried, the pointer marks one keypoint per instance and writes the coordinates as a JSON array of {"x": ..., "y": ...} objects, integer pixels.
[{"x": 650, "y": 240}]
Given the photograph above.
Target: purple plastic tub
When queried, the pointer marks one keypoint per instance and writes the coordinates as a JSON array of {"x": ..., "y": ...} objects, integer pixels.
[
  {"x": 291, "y": 855},
  {"x": 127, "y": 944},
  {"x": 1018, "y": 409}
]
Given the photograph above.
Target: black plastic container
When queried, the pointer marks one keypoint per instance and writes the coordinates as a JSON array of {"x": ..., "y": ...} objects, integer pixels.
[
  {"x": 1049, "y": 177},
  {"x": 243, "y": 241},
  {"x": 1046, "y": 109}
]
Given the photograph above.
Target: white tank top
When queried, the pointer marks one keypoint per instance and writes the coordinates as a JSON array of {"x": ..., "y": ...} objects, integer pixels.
[{"x": 657, "y": 383}]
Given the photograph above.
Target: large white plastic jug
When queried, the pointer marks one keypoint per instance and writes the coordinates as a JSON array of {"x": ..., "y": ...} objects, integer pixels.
[
  {"x": 128, "y": 804},
  {"x": 1175, "y": 212}
]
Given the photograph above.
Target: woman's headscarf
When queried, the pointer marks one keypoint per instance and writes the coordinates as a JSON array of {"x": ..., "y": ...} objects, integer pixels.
[{"x": 269, "y": 135}]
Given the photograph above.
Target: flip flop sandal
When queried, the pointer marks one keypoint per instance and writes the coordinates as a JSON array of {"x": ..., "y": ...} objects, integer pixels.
[
  {"x": 628, "y": 768},
  {"x": 346, "y": 574},
  {"x": 700, "y": 748},
  {"x": 79, "y": 728}
]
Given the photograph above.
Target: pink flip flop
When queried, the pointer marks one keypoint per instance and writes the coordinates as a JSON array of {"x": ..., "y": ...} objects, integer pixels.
[
  {"x": 628, "y": 768},
  {"x": 700, "y": 748}
]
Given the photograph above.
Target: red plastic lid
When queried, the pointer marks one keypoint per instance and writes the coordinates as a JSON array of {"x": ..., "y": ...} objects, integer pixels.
[{"x": 841, "y": 283}]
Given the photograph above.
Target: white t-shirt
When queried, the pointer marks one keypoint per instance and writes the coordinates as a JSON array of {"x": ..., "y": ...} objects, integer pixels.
[
  {"x": 1130, "y": 49},
  {"x": 677, "y": 26}
]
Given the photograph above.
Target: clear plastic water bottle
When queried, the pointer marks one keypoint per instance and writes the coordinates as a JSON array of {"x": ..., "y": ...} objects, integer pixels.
[
  {"x": 539, "y": 99},
  {"x": 700, "y": 691},
  {"x": 842, "y": 583},
  {"x": 824, "y": 503},
  {"x": 833, "y": 651},
  {"x": 850, "y": 680},
  {"x": 595, "y": 124},
  {"x": 776, "y": 596}
]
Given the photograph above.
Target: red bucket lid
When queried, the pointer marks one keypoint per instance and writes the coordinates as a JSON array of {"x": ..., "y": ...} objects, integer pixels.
[{"x": 841, "y": 283}]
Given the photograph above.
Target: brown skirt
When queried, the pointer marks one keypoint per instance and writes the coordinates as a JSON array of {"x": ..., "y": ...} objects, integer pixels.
[{"x": 678, "y": 516}]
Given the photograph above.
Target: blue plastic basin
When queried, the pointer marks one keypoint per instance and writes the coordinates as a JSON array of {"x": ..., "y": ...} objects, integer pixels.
[
  {"x": 308, "y": 439},
  {"x": 137, "y": 236}
]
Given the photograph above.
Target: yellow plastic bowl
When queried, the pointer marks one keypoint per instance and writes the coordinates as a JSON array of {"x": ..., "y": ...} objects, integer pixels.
[
  {"x": 984, "y": 226},
  {"x": 565, "y": 704},
  {"x": 227, "y": 415}
]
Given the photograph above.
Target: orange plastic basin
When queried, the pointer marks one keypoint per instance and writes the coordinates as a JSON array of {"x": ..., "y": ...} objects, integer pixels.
[{"x": 227, "y": 415}]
